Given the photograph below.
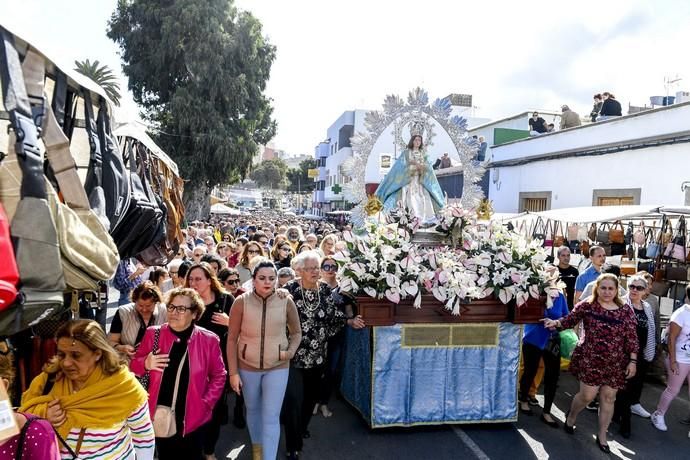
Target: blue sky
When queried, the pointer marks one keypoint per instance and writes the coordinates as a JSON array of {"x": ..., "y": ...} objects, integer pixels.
[{"x": 337, "y": 56}]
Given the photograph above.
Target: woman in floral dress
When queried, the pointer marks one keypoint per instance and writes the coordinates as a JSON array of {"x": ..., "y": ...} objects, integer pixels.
[{"x": 606, "y": 355}]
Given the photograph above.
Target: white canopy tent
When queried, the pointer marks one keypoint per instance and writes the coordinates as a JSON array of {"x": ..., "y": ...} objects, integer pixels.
[
  {"x": 220, "y": 208},
  {"x": 589, "y": 214},
  {"x": 137, "y": 131}
]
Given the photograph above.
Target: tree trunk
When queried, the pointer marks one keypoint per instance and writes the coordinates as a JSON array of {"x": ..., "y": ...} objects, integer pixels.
[{"x": 197, "y": 201}]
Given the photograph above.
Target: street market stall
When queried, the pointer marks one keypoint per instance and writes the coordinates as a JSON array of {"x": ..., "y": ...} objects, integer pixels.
[{"x": 76, "y": 197}]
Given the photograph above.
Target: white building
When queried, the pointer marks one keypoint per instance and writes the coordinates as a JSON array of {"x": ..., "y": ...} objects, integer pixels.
[{"x": 636, "y": 159}]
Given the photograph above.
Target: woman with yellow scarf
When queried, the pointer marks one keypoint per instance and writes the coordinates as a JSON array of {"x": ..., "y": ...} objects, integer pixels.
[{"x": 91, "y": 398}]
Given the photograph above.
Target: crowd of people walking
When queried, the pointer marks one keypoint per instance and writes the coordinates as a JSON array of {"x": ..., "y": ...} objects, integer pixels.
[{"x": 252, "y": 313}]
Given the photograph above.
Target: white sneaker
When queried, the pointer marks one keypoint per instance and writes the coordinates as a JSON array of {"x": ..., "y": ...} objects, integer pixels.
[
  {"x": 658, "y": 422},
  {"x": 638, "y": 410}
]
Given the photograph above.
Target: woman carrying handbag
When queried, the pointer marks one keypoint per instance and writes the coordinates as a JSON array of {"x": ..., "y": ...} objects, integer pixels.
[{"x": 187, "y": 376}]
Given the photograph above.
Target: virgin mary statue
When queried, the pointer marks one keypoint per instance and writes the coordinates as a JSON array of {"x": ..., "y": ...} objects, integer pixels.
[{"x": 412, "y": 184}]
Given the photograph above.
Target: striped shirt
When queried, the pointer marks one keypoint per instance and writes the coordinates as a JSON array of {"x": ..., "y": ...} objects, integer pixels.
[{"x": 133, "y": 439}]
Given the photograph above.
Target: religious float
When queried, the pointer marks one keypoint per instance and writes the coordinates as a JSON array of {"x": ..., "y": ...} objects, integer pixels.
[{"x": 443, "y": 301}]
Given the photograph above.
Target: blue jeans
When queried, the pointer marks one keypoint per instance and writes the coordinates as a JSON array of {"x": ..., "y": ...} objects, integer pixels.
[{"x": 263, "y": 396}]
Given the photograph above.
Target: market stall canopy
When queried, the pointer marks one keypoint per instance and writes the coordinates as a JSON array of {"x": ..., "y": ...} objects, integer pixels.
[
  {"x": 588, "y": 214},
  {"x": 137, "y": 131},
  {"x": 220, "y": 208}
]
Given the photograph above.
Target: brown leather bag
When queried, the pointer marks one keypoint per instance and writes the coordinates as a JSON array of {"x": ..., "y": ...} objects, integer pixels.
[
  {"x": 558, "y": 238},
  {"x": 617, "y": 233}
]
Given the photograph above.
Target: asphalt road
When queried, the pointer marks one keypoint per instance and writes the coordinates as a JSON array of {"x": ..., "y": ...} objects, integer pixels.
[{"x": 345, "y": 435}]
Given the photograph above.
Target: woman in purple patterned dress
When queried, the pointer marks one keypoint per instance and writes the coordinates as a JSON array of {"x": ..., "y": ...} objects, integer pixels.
[{"x": 605, "y": 356}]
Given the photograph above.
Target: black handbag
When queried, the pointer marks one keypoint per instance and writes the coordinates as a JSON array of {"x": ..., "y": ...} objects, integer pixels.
[
  {"x": 140, "y": 225},
  {"x": 114, "y": 175},
  {"x": 617, "y": 249},
  {"x": 553, "y": 346}
]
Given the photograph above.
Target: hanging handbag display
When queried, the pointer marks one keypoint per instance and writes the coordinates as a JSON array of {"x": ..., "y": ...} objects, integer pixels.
[
  {"x": 139, "y": 227},
  {"x": 602, "y": 236},
  {"x": 539, "y": 231},
  {"x": 164, "y": 425},
  {"x": 617, "y": 233},
  {"x": 161, "y": 251},
  {"x": 616, "y": 249},
  {"x": 558, "y": 238},
  {"x": 675, "y": 273},
  {"x": 592, "y": 233},
  {"x": 23, "y": 194},
  {"x": 88, "y": 252},
  {"x": 93, "y": 185},
  {"x": 584, "y": 247},
  {"x": 642, "y": 248},
  {"x": 582, "y": 233},
  {"x": 640, "y": 235},
  {"x": 676, "y": 248},
  {"x": 573, "y": 230},
  {"x": 655, "y": 248}
]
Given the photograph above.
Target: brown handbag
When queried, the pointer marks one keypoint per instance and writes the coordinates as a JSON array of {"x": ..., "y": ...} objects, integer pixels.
[
  {"x": 592, "y": 233},
  {"x": 558, "y": 238},
  {"x": 617, "y": 233},
  {"x": 676, "y": 273}
]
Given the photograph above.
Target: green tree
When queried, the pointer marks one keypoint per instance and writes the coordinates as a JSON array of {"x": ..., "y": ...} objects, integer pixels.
[
  {"x": 270, "y": 174},
  {"x": 298, "y": 178},
  {"x": 101, "y": 75},
  {"x": 199, "y": 69}
]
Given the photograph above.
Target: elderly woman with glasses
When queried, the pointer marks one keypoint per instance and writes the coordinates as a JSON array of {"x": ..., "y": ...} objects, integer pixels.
[
  {"x": 282, "y": 255},
  {"x": 628, "y": 399},
  {"x": 320, "y": 320},
  {"x": 606, "y": 356},
  {"x": 181, "y": 348},
  {"x": 251, "y": 249}
]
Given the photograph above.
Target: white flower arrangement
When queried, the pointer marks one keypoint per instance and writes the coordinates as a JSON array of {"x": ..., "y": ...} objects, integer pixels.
[{"x": 485, "y": 260}]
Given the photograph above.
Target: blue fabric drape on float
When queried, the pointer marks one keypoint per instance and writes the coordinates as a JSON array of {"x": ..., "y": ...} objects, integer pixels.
[
  {"x": 431, "y": 385},
  {"x": 356, "y": 381}
]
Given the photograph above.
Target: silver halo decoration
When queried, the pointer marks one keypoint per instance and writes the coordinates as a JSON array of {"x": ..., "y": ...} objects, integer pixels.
[{"x": 398, "y": 113}]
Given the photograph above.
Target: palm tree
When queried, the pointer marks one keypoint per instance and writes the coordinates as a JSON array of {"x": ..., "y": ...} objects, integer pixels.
[{"x": 102, "y": 75}]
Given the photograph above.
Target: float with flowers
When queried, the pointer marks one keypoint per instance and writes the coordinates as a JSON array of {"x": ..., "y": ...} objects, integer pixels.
[
  {"x": 477, "y": 271},
  {"x": 444, "y": 304}
]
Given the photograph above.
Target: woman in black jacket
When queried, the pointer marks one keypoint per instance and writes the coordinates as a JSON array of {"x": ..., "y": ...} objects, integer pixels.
[{"x": 610, "y": 108}]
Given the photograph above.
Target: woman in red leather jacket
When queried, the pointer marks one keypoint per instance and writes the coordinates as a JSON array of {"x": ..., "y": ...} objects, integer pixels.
[{"x": 180, "y": 345}]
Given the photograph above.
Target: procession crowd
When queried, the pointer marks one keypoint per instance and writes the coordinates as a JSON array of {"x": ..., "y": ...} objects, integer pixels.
[
  {"x": 250, "y": 308},
  {"x": 249, "y": 314}
]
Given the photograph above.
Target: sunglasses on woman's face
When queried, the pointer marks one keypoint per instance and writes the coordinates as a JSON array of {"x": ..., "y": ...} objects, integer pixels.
[
  {"x": 232, "y": 282},
  {"x": 329, "y": 267},
  {"x": 636, "y": 287}
]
